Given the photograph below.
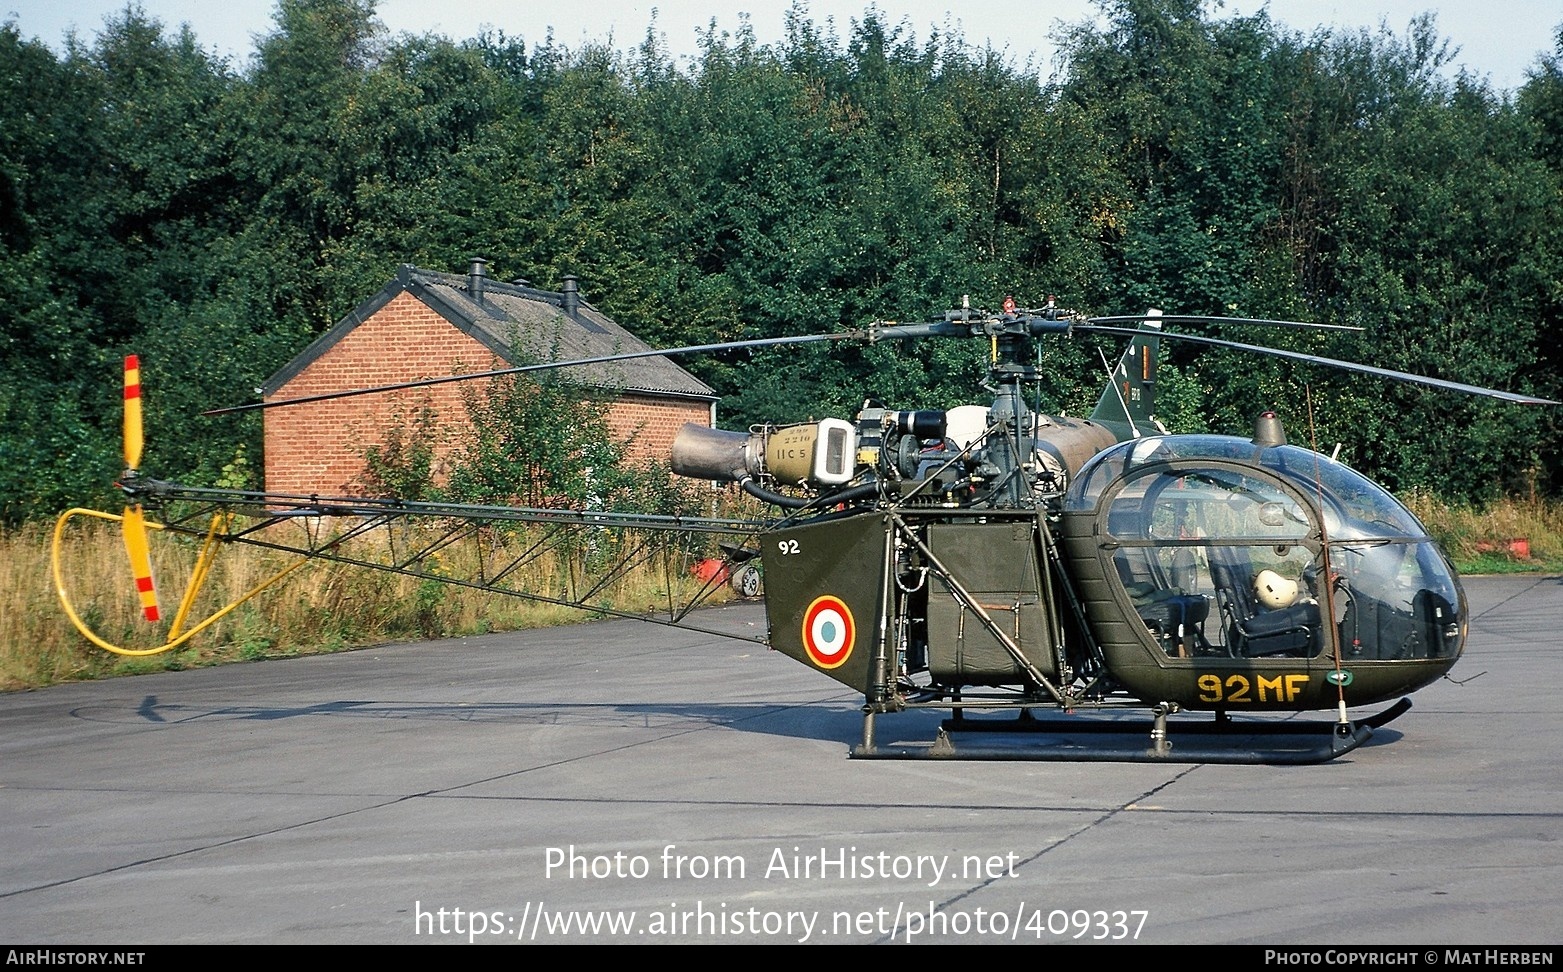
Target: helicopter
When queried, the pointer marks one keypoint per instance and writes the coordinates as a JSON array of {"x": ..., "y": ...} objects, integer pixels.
[{"x": 995, "y": 559}]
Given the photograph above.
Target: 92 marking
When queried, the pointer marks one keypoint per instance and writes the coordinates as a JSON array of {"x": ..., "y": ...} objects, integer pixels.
[{"x": 787, "y": 546}]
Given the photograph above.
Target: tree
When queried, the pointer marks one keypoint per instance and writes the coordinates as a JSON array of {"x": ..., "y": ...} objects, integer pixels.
[
  {"x": 113, "y": 187},
  {"x": 535, "y": 441}
]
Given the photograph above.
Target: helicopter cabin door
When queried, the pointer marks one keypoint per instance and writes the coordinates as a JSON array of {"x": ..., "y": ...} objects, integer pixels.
[{"x": 1208, "y": 587}]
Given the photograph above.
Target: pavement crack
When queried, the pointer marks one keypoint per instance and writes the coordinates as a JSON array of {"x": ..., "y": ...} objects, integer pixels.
[
  {"x": 1517, "y": 594},
  {"x": 1084, "y": 829},
  {"x": 175, "y": 855}
]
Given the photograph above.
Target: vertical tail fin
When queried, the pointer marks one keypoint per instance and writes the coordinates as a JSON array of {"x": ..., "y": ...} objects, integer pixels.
[{"x": 1128, "y": 403}]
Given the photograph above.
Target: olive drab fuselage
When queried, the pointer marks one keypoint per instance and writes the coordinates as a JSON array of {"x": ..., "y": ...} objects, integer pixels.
[{"x": 1139, "y": 579}]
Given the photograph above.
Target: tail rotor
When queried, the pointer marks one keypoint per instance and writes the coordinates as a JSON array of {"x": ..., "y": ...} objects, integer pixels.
[{"x": 134, "y": 522}]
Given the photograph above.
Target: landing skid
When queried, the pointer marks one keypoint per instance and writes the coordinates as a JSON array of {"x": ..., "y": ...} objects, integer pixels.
[{"x": 1289, "y": 743}]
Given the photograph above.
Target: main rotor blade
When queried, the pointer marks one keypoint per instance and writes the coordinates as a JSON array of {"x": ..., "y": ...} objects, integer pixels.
[
  {"x": 1333, "y": 363},
  {"x": 883, "y": 331},
  {"x": 547, "y": 366},
  {"x": 1197, "y": 319}
]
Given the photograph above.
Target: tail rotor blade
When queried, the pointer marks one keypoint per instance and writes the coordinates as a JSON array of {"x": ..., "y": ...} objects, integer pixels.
[
  {"x": 136, "y": 544},
  {"x": 134, "y": 438},
  {"x": 134, "y": 523}
]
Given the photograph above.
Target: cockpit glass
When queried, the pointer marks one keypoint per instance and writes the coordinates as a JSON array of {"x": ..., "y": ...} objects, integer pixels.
[
  {"x": 1221, "y": 559},
  {"x": 1395, "y": 600},
  {"x": 1217, "y": 563},
  {"x": 1212, "y": 502},
  {"x": 1354, "y": 507}
]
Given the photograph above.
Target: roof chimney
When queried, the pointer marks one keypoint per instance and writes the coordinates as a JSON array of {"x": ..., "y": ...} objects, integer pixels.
[
  {"x": 476, "y": 274},
  {"x": 572, "y": 294}
]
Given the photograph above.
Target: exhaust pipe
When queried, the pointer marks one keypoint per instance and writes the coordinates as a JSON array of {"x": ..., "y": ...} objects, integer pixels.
[{"x": 728, "y": 457}]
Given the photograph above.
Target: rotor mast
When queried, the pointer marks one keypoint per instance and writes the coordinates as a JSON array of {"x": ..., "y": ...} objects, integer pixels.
[{"x": 1012, "y": 351}]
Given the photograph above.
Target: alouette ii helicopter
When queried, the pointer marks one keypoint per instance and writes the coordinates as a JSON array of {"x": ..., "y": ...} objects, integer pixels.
[{"x": 991, "y": 558}]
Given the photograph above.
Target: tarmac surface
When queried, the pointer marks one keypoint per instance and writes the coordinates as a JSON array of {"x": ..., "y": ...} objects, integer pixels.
[{"x": 624, "y": 782}]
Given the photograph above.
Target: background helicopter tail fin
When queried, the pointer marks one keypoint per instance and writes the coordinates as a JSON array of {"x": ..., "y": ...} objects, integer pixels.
[{"x": 1128, "y": 403}]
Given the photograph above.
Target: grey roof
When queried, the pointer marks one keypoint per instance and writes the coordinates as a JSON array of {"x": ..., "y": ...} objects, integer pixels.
[{"x": 505, "y": 315}]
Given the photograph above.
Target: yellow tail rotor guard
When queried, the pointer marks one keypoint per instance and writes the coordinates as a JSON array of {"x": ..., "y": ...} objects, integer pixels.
[{"x": 176, "y": 633}]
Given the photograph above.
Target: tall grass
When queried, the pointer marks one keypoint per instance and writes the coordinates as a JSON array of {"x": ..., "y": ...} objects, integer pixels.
[
  {"x": 323, "y": 606},
  {"x": 1482, "y": 539}
]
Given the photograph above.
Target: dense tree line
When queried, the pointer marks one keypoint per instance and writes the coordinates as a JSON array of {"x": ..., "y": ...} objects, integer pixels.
[{"x": 156, "y": 199}]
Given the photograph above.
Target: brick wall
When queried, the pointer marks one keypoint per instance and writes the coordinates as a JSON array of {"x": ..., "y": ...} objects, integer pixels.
[
  {"x": 649, "y": 424},
  {"x": 319, "y": 448}
]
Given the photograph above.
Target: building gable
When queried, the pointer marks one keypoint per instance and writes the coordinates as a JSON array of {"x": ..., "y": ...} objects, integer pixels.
[{"x": 427, "y": 325}]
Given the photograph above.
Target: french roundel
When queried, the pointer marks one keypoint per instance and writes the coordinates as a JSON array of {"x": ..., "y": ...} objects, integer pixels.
[{"x": 829, "y": 631}]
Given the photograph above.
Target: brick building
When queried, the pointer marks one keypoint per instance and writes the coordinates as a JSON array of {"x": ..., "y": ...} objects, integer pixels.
[{"x": 432, "y": 325}]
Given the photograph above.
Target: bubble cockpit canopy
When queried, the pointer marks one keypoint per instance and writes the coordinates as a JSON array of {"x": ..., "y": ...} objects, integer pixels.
[{"x": 1223, "y": 548}]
